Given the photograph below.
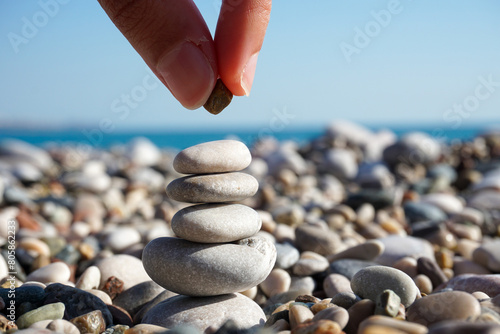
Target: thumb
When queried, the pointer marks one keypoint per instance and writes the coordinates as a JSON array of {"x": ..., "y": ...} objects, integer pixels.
[{"x": 174, "y": 41}]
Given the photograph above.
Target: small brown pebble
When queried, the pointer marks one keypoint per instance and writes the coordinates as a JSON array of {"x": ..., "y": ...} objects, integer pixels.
[
  {"x": 120, "y": 315},
  {"x": 219, "y": 98},
  {"x": 307, "y": 299},
  {"x": 91, "y": 323},
  {"x": 5, "y": 324},
  {"x": 319, "y": 327},
  {"x": 113, "y": 286},
  {"x": 318, "y": 307}
]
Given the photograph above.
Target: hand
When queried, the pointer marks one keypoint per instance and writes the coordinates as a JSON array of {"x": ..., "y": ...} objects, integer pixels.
[{"x": 174, "y": 41}]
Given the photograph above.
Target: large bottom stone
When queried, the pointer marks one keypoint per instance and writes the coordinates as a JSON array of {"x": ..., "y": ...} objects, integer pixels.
[
  {"x": 206, "y": 312},
  {"x": 195, "y": 269}
]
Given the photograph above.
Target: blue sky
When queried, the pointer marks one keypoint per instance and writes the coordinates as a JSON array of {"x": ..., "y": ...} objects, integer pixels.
[{"x": 429, "y": 62}]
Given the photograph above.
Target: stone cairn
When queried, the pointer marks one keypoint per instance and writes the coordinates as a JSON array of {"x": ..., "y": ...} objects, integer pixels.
[{"x": 217, "y": 253}]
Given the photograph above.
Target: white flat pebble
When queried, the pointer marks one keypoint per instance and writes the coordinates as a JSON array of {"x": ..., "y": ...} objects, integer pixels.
[
  {"x": 212, "y": 223},
  {"x": 213, "y": 188},
  {"x": 57, "y": 272},
  {"x": 213, "y": 157},
  {"x": 127, "y": 268},
  {"x": 179, "y": 265}
]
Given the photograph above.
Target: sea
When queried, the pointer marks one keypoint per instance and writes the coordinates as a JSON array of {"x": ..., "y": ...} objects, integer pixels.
[{"x": 178, "y": 140}]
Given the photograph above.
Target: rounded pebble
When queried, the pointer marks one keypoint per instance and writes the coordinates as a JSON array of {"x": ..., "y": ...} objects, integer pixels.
[
  {"x": 54, "y": 272},
  {"x": 213, "y": 157},
  {"x": 203, "y": 312},
  {"x": 442, "y": 306},
  {"x": 371, "y": 281},
  {"x": 179, "y": 265},
  {"x": 213, "y": 188},
  {"x": 127, "y": 268},
  {"x": 213, "y": 223}
]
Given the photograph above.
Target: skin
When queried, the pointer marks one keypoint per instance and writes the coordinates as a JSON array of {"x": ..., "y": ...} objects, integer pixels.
[{"x": 169, "y": 35}]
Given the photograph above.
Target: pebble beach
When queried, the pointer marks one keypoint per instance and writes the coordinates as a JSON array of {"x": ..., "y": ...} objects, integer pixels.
[{"x": 354, "y": 231}]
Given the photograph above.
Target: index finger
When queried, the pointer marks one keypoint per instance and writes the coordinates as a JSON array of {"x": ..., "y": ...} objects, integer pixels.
[{"x": 238, "y": 39}]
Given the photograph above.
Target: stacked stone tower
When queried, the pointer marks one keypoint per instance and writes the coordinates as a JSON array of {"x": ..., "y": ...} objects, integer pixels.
[{"x": 217, "y": 253}]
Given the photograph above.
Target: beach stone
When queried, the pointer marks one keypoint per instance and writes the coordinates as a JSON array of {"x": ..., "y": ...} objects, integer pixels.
[
  {"x": 336, "y": 283},
  {"x": 213, "y": 188},
  {"x": 146, "y": 329},
  {"x": 485, "y": 200},
  {"x": 387, "y": 303},
  {"x": 488, "y": 255},
  {"x": 142, "y": 152},
  {"x": 286, "y": 255},
  {"x": 372, "y": 281},
  {"x": 299, "y": 314},
  {"x": 423, "y": 283},
  {"x": 378, "y": 198},
  {"x": 13, "y": 148},
  {"x": 63, "y": 326},
  {"x": 213, "y": 157},
  {"x": 357, "y": 313},
  {"x": 55, "y": 272},
  {"x": 122, "y": 238},
  {"x": 431, "y": 269},
  {"x": 464, "y": 327},
  {"x": 320, "y": 326},
  {"x": 397, "y": 247},
  {"x": 349, "y": 267},
  {"x": 179, "y": 265},
  {"x": 345, "y": 299},
  {"x": 449, "y": 203},
  {"x": 90, "y": 323},
  {"x": 420, "y": 211},
  {"x": 288, "y": 215},
  {"x": 120, "y": 315},
  {"x": 113, "y": 286},
  {"x": 447, "y": 305},
  {"x": 413, "y": 149},
  {"x": 306, "y": 284},
  {"x": 374, "y": 176},
  {"x": 42, "y": 324},
  {"x": 90, "y": 279},
  {"x": 341, "y": 163},
  {"x": 310, "y": 263},
  {"x": 127, "y": 268},
  {"x": 285, "y": 158},
  {"x": 489, "y": 284},
  {"x": 149, "y": 305},
  {"x": 315, "y": 239},
  {"x": 278, "y": 281},
  {"x": 134, "y": 298},
  {"x": 368, "y": 251},
  {"x": 35, "y": 245},
  {"x": 212, "y": 223},
  {"x": 76, "y": 301},
  {"x": 385, "y": 324},
  {"x": 106, "y": 299},
  {"x": 408, "y": 265},
  {"x": 32, "y": 294},
  {"x": 335, "y": 313},
  {"x": 202, "y": 312},
  {"x": 45, "y": 312}
]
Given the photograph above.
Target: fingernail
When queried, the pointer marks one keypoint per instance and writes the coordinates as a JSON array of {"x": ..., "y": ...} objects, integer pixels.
[
  {"x": 249, "y": 73},
  {"x": 188, "y": 75}
]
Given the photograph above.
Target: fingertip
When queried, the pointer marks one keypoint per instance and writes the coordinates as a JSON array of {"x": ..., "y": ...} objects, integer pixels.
[{"x": 248, "y": 74}]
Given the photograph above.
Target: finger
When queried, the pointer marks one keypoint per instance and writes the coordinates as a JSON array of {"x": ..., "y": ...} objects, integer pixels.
[
  {"x": 173, "y": 39},
  {"x": 238, "y": 39}
]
